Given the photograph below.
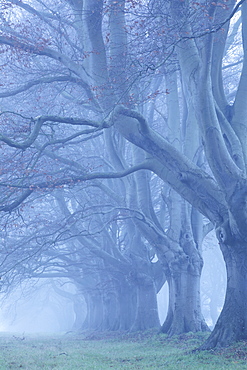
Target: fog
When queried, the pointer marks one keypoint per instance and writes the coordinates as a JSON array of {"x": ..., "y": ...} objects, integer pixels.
[
  {"x": 36, "y": 306},
  {"x": 39, "y": 310},
  {"x": 213, "y": 280}
]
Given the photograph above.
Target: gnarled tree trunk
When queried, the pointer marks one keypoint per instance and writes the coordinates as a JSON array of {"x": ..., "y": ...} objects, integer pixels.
[
  {"x": 146, "y": 309},
  {"x": 232, "y": 322},
  {"x": 184, "y": 310}
]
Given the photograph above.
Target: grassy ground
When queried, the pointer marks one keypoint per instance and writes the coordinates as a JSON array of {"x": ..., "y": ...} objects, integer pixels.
[{"x": 139, "y": 351}]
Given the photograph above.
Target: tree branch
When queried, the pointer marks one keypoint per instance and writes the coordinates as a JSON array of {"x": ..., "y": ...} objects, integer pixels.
[
  {"x": 77, "y": 179},
  {"x": 17, "y": 202},
  {"x": 39, "y": 121},
  {"x": 47, "y": 80},
  {"x": 77, "y": 69}
]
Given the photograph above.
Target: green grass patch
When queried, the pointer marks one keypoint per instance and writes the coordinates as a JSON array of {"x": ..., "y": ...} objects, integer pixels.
[{"x": 110, "y": 351}]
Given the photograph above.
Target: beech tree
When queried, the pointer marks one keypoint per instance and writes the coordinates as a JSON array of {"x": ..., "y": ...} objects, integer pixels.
[
  {"x": 94, "y": 243},
  {"x": 184, "y": 315},
  {"x": 107, "y": 59}
]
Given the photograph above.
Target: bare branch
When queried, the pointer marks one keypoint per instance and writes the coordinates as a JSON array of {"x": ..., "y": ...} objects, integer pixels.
[
  {"x": 77, "y": 179},
  {"x": 39, "y": 121},
  {"x": 46, "y": 51},
  {"x": 45, "y": 80},
  {"x": 17, "y": 202}
]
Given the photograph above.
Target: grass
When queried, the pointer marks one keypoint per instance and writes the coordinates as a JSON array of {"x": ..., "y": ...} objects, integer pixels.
[{"x": 104, "y": 352}]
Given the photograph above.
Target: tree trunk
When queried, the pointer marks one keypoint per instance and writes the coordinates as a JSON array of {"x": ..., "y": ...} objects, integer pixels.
[
  {"x": 79, "y": 312},
  {"x": 95, "y": 312},
  {"x": 184, "y": 310},
  {"x": 111, "y": 310},
  {"x": 147, "y": 309},
  {"x": 127, "y": 304},
  {"x": 232, "y": 322}
]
